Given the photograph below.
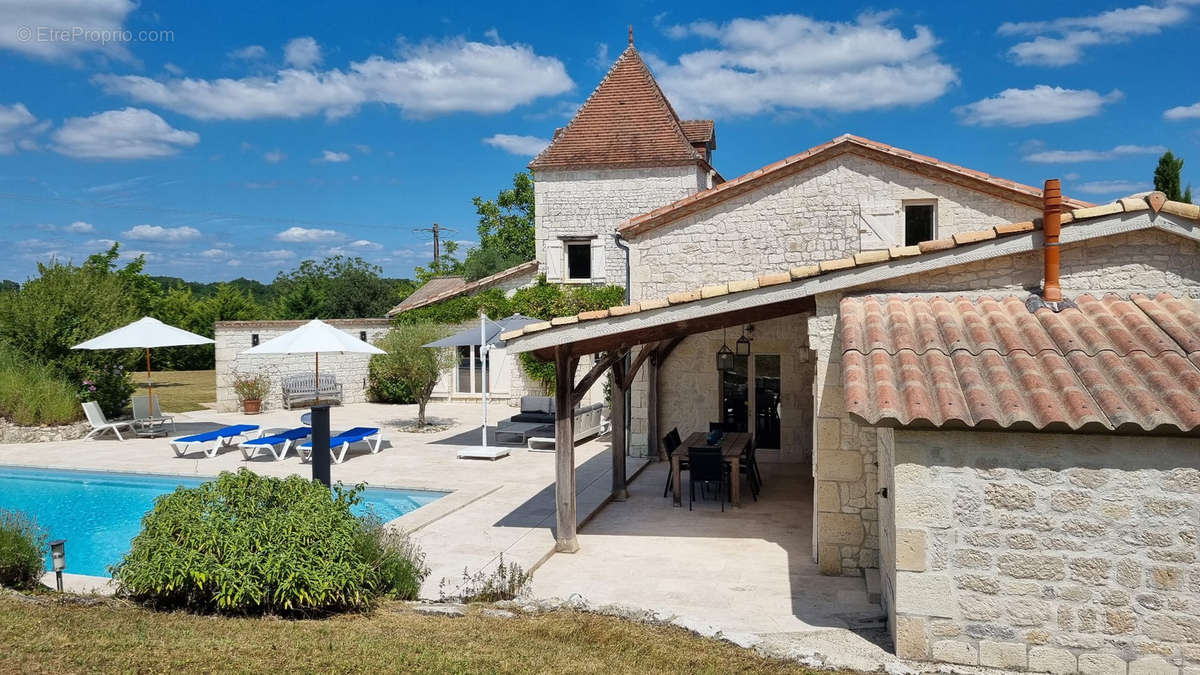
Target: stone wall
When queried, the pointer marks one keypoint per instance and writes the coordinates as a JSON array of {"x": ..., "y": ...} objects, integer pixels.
[
  {"x": 689, "y": 392},
  {"x": 805, "y": 218},
  {"x": 1047, "y": 552},
  {"x": 595, "y": 201},
  {"x": 234, "y": 337},
  {"x": 844, "y": 467},
  {"x": 1132, "y": 262}
]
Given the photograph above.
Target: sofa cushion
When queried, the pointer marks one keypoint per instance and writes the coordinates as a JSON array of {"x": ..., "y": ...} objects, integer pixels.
[
  {"x": 537, "y": 404},
  {"x": 534, "y": 417}
]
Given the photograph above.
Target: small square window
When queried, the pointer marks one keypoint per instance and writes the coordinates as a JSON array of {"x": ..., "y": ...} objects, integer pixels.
[
  {"x": 362, "y": 335},
  {"x": 579, "y": 260},
  {"x": 254, "y": 339},
  {"x": 918, "y": 223}
]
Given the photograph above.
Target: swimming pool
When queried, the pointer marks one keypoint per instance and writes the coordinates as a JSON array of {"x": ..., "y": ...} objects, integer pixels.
[{"x": 100, "y": 512}]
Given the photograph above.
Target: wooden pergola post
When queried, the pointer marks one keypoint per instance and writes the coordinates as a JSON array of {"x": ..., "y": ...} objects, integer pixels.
[
  {"x": 564, "y": 450},
  {"x": 619, "y": 386},
  {"x": 652, "y": 445}
]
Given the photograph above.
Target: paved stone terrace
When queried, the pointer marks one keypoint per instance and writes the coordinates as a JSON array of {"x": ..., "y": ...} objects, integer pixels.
[{"x": 505, "y": 506}]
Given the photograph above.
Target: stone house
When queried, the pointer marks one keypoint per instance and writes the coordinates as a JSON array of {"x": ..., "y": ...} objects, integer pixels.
[{"x": 1018, "y": 470}]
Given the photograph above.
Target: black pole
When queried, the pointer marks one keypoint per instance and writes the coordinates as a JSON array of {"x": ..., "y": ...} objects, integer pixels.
[{"x": 320, "y": 443}]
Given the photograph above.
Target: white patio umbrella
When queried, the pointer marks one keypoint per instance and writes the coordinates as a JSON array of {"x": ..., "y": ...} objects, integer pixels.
[
  {"x": 315, "y": 337},
  {"x": 145, "y": 333}
]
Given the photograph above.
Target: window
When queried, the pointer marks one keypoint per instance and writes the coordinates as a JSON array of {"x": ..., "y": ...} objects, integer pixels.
[
  {"x": 579, "y": 260},
  {"x": 254, "y": 339},
  {"x": 918, "y": 223},
  {"x": 362, "y": 335}
]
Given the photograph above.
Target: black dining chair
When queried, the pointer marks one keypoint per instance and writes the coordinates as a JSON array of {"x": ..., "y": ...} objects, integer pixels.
[
  {"x": 671, "y": 443},
  {"x": 706, "y": 466},
  {"x": 748, "y": 467}
]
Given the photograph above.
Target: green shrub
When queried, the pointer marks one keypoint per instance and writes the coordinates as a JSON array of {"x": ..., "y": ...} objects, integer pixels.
[
  {"x": 22, "y": 547},
  {"x": 252, "y": 544},
  {"x": 384, "y": 389},
  {"x": 110, "y": 387},
  {"x": 32, "y": 393},
  {"x": 398, "y": 559}
]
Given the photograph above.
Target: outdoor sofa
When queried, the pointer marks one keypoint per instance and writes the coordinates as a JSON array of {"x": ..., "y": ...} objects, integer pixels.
[{"x": 534, "y": 424}]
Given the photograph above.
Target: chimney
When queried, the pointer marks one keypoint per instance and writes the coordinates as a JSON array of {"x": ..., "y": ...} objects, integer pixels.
[{"x": 1051, "y": 226}]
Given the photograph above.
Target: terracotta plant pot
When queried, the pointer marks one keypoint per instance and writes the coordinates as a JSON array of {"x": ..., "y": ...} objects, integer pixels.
[{"x": 251, "y": 406}]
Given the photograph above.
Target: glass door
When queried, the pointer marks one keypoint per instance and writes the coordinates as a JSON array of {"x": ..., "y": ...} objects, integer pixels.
[
  {"x": 735, "y": 394},
  {"x": 767, "y": 393}
]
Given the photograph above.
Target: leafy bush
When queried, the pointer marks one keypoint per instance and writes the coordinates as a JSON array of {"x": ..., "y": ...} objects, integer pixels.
[
  {"x": 32, "y": 393},
  {"x": 384, "y": 389},
  {"x": 252, "y": 544},
  {"x": 409, "y": 364},
  {"x": 22, "y": 547},
  {"x": 506, "y": 582},
  {"x": 110, "y": 387}
]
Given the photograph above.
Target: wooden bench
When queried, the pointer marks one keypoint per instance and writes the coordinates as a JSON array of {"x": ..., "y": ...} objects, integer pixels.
[{"x": 301, "y": 387}]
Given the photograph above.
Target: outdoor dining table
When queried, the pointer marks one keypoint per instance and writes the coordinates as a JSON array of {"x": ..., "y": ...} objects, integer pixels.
[{"x": 732, "y": 444}]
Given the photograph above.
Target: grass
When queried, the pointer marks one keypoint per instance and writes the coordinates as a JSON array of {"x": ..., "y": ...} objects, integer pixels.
[
  {"x": 115, "y": 637},
  {"x": 181, "y": 390},
  {"x": 32, "y": 393}
]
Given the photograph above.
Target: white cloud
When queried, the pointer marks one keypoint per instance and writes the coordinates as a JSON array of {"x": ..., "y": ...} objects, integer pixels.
[
  {"x": 365, "y": 245},
  {"x": 80, "y": 227},
  {"x": 304, "y": 235},
  {"x": 517, "y": 145},
  {"x": 275, "y": 156},
  {"x": 18, "y": 127},
  {"x": 600, "y": 60},
  {"x": 428, "y": 79},
  {"x": 1112, "y": 187},
  {"x": 214, "y": 254},
  {"x": 45, "y": 29},
  {"x": 1183, "y": 112},
  {"x": 302, "y": 53},
  {"x": 333, "y": 157},
  {"x": 1041, "y": 105},
  {"x": 172, "y": 69},
  {"x": 792, "y": 62},
  {"x": 131, "y": 133},
  {"x": 278, "y": 254},
  {"x": 362, "y": 148},
  {"x": 1059, "y": 42},
  {"x": 248, "y": 53},
  {"x": 160, "y": 233},
  {"x": 1072, "y": 156}
]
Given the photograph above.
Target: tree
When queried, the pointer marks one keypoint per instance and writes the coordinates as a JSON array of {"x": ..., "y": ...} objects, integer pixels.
[
  {"x": 1168, "y": 178},
  {"x": 506, "y": 230},
  {"x": 446, "y": 264},
  {"x": 409, "y": 364},
  {"x": 338, "y": 287}
]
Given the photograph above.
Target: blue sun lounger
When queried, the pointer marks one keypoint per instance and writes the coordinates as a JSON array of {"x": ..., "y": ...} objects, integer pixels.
[
  {"x": 283, "y": 439},
  {"x": 220, "y": 438},
  {"x": 338, "y": 444}
]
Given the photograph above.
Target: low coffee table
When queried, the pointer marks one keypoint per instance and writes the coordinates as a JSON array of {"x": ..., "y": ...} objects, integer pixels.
[{"x": 519, "y": 432}]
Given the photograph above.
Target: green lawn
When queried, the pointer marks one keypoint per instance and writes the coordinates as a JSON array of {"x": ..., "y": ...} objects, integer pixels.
[
  {"x": 181, "y": 390},
  {"x": 116, "y": 637}
]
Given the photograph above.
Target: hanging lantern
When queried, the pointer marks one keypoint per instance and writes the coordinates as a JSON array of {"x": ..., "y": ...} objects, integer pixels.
[
  {"x": 724, "y": 355},
  {"x": 743, "y": 344}
]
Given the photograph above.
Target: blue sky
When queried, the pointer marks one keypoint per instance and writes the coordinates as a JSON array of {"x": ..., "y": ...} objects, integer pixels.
[{"x": 236, "y": 139}]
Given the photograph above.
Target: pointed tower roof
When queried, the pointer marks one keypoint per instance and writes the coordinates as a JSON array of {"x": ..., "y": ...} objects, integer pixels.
[{"x": 626, "y": 122}]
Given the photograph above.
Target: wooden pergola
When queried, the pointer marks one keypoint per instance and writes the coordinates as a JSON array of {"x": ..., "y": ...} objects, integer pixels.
[{"x": 644, "y": 339}]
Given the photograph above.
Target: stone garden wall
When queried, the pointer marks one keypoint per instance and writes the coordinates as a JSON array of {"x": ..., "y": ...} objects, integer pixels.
[
  {"x": 234, "y": 337},
  {"x": 1047, "y": 552}
]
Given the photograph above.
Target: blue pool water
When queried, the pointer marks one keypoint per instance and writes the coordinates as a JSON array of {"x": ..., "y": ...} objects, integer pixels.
[{"x": 99, "y": 513}]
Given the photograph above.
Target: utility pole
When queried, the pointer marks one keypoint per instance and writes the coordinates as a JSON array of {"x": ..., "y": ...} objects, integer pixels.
[{"x": 437, "y": 231}]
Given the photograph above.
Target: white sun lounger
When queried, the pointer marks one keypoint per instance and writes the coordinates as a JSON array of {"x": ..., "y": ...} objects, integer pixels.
[
  {"x": 277, "y": 443},
  {"x": 220, "y": 438},
  {"x": 100, "y": 423},
  {"x": 339, "y": 444}
]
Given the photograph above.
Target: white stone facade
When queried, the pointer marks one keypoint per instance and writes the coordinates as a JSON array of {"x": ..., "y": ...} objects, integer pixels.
[
  {"x": 234, "y": 337},
  {"x": 848, "y": 527},
  {"x": 816, "y": 214},
  {"x": 1047, "y": 552},
  {"x": 592, "y": 202}
]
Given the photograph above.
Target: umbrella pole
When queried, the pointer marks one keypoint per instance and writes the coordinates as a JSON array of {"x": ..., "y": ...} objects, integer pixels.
[
  {"x": 483, "y": 360},
  {"x": 317, "y": 374},
  {"x": 149, "y": 385}
]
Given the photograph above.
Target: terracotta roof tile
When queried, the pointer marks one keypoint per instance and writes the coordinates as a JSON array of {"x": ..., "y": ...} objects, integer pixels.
[
  {"x": 697, "y": 131},
  {"x": 814, "y": 155},
  {"x": 627, "y": 121},
  {"x": 452, "y": 291},
  {"x": 1183, "y": 319},
  {"x": 1107, "y": 364},
  {"x": 430, "y": 289}
]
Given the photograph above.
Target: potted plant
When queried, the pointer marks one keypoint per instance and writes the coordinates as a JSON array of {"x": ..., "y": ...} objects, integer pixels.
[{"x": 250, "y": 389}]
